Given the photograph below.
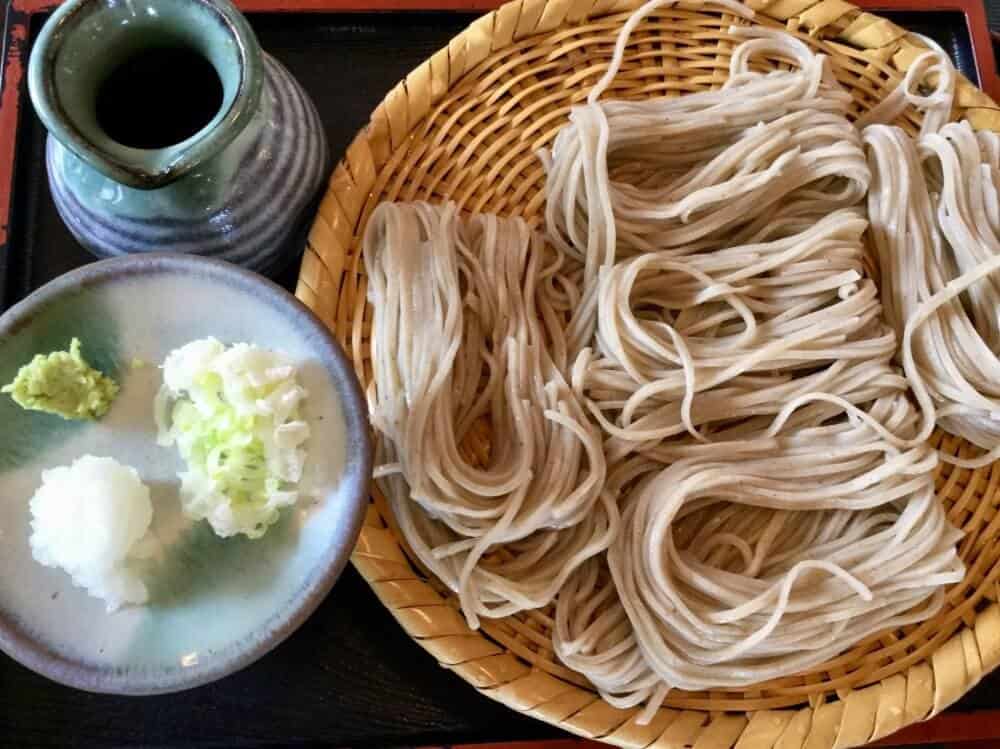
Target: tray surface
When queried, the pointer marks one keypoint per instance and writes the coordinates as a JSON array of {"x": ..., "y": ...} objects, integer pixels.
[{"x": 350, "y": 676}]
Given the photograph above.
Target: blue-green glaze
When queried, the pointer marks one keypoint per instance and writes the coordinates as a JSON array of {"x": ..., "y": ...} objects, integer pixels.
[{"x": 237, "y": 189}]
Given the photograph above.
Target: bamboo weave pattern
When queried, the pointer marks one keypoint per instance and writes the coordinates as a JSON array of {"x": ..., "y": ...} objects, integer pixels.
[{"x": 465, "y": 126}]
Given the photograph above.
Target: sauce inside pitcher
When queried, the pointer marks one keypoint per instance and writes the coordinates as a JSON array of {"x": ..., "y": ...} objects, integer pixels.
[{"x": 159, "y": 97}]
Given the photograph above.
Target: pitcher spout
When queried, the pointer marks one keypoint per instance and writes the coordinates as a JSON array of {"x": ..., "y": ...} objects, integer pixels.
[{"x": 105, "y": 79}]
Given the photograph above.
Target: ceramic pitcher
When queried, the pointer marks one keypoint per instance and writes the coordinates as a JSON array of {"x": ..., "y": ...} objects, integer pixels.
[{"x": 235, "y": 189}]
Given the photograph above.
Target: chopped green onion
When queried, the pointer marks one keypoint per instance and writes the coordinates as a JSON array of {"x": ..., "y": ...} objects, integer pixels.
[{"x": 234, "y": 415}]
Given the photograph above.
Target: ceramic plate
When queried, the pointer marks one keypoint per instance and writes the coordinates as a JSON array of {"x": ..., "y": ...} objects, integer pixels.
[{"x": 215, "y": 604}]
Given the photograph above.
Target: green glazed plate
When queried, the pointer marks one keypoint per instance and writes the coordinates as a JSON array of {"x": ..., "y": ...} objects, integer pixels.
[{"x": 215, "y": 604}]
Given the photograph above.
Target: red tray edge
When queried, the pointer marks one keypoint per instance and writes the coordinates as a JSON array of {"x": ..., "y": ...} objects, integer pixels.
[{"x": 978, "y": 726}]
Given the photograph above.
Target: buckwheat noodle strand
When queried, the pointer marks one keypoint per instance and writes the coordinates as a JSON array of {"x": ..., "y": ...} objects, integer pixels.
[
  {"x": 935, "y": 224},
  {"x": 735, "y": 571},
  {"x": 464, "y": 315},
  {"x": 678, "y": 415},
  {"x": 779, "y": 501}
]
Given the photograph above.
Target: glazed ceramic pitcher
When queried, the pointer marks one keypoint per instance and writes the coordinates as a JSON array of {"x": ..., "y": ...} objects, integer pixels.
[{"x": 169, "y": 129}]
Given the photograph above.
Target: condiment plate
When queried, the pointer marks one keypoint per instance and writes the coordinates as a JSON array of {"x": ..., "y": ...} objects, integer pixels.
[{"x": 216, "y": 605}]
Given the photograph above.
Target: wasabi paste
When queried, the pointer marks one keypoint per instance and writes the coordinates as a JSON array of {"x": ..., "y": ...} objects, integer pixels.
[{"x": 63, "y": 383}]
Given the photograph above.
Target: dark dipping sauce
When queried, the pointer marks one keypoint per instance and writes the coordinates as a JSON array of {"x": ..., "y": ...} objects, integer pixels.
[{"x": 159, "y": 97}]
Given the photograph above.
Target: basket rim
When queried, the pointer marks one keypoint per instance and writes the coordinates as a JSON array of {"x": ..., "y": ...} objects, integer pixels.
[{"x": 856, "y": 716}]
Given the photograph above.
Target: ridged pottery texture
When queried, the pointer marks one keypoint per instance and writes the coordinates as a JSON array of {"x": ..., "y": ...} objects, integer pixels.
[{"x": 236, "y": 190}]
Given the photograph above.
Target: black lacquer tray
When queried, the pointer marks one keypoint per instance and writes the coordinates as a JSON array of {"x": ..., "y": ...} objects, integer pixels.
[{"x": 350, "y": 676}]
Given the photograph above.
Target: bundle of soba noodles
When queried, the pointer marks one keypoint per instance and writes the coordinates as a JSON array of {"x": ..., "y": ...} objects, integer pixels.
[
  {"x": 733, "y": 569},
  {"x": 689, "y": 344},
  {"x": 677, "y": 414},
  {"x": 465, "y": 315},
  {"x": 777, "y": 489},
  {"x": 723, "y": 254},
  {"x": 761, "y": 158},
  {"x": 935, "y": 214}
]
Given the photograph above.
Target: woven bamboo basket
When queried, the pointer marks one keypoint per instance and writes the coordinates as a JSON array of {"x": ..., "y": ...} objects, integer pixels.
[{"x": 465, "y": 126}]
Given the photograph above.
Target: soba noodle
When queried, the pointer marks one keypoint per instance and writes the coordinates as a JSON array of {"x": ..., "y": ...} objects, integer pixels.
[
  {"x": 764, "y": 532},
  {"x": 763, "y": 157},
  {"x": 731, "y": 571},
  {"x": 746, "y": 329},
  {"x": 935, "y": 225},
  {"x": 697, "y": 346},
  {"x": 465, "y": 314}
]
